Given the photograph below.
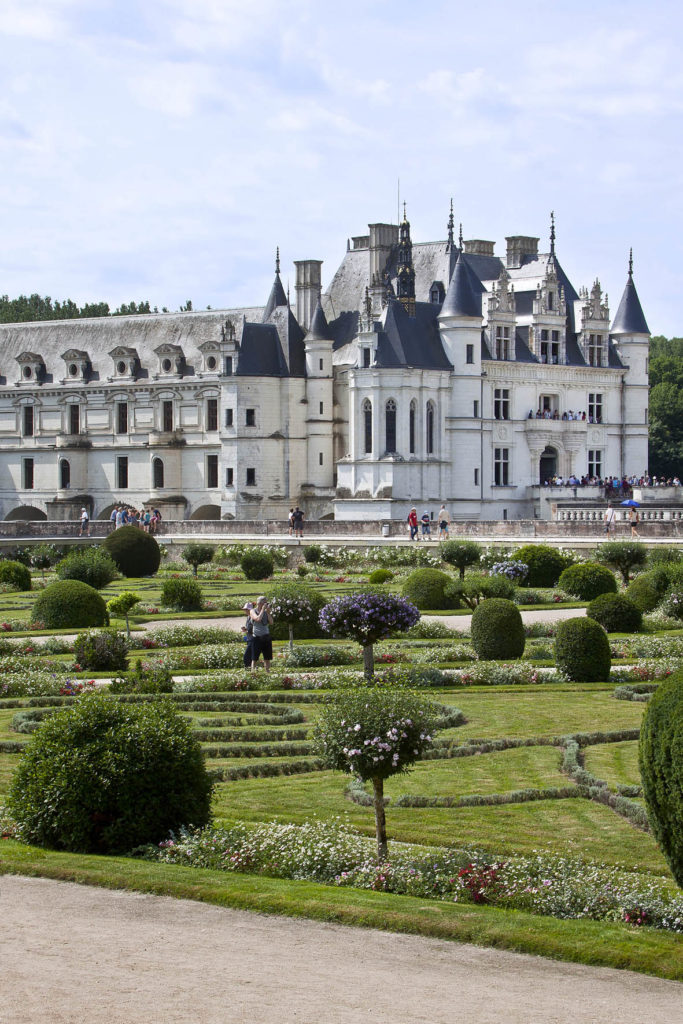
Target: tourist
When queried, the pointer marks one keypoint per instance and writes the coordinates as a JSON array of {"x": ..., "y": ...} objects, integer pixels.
[
  {"x": 633, "y": 519},
  {"x": 146, "y": 520},
  {"x": 444, "y": 521},
  {"x": 85, "y": 523},
  {"x": 298, "y": 522},
  {"x": 112, "y": 517},
  {"x": 609, "y": 517},
  {"x": 412, "y": 523},
  {"x": 426, "y": 524},
  {"x": 248, "y": 637},
  {"x": 291, "y": 522},
  {"x": 118, "y": 519},
  {"x": 262, "y": 641}
]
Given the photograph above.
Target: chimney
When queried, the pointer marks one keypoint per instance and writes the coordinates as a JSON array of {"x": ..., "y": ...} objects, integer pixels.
[
  {"x": 308, "y": 287},
  {"x": 520, "y": 246},
  {"x": 381, "y": 240},
  {"x": 478, "y": 247}
]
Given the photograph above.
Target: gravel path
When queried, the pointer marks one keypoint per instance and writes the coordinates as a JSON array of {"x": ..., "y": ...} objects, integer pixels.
[{"x": 72, "y": 954}]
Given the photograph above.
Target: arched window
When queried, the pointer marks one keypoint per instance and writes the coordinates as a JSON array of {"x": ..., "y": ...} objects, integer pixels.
[
  {"x": 429, "y": 428},
  {"x": 367, "y": 426},
  {"x": 411, "y": 426},
  {"x": 157, "y": 473},
  {"x": 64, "y": 474},
  {"x": 390, "y": 425}
]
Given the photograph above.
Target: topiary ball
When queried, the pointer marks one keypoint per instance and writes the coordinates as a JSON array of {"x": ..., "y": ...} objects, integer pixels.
[
  {"x": 582, "y": 651},
  {"x": 660, "y": 755},
  {"x": 649, "y": 588},
  {"x": 425, "y": 588},
  {"x": 497, "y": 630},
  {"x": 615, "y": 613},
  {"x": 380, "y": 576},
  {"x": 545, "y": 564},
  {"x": 105, "y": 776},
  {"x": 14, "y": 574},
  {"x": 185, "y": 595},
  {"x": 587, "y": 580},
  {"x": 135, "y": 552},
  {"x": 257, "y": 565},
  {"x": 70, "y": 604}
]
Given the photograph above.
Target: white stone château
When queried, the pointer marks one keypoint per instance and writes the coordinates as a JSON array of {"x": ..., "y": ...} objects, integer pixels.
[{"x": 427, "y": 372}]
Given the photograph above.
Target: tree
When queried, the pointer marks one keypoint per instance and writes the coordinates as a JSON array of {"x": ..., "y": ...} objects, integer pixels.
[
  {"x": 295, "y": 605},
  {"x": 460, "y": 553},
  {"x": 666, "y": 406},
  {"x": 198, "y": 554},
  {"x": 367, "y": 618},
  {"x": 120, "y": 606},
  {"x": 43, "y": 556},
  {"x": 622, "y": 555},
  {"x": 375, "y": 732},
  {"x": 27, "y": 308}
]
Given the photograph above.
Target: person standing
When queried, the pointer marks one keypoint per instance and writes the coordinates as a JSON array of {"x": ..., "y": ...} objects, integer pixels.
[
  {"x": 248, "y": 631},
  {"x": 298, "y": 521},
  {"x": 412, "y": 523},
  {"x": 291, "y": 522},
  {"x": 119, "y": 518},
  {"x": 426, "y": 524},
  {"x": 633, "y": 519},
  {"x": 85, "y": 523},
  {"x": 262, "y": 642},
  {"x": 444, "y": 520},
  {"x": 609, "y": 520}
]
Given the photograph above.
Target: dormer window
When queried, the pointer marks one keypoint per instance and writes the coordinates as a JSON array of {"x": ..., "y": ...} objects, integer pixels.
[
  {"x": 77, "y": 365},
  {"x": 437, "y": 292},
  {"x": 126, "y": 361},
  {"x": 211, "y": 355},
  {"x": 31, "y": 368},
  {"x": 171, "y": 359}
]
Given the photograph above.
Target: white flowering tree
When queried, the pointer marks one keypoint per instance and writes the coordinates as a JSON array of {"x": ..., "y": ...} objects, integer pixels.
[
  {"x": 296, "y": 605},
  {"x": 373, "y": 733},
  {"x": 367, "y": 618}
]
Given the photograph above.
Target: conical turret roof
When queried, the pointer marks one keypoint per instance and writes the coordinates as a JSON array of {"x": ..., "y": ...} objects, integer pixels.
[
  {"x": 461, "y": 298},
  {"x": 630, "y": 318},
  {"x": 319, "y": 329},
  {"x": 276, "y": 298}
]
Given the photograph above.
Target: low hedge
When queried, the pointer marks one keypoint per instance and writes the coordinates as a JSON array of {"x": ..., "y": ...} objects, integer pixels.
[
  {"x": 587, "y": 580},
  {"x": 615, "y": 613}
]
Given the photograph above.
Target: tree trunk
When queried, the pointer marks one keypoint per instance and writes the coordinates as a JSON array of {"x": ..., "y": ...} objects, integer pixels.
[
  {"x": 291, "y": 637},
  {"x": 368, "y": 662},
  {"x": 127, "y": 626},
  {"x": 380, "y": 819},
  {"x": 194, "y": 569},
  {"x": 462, "y": 572}
]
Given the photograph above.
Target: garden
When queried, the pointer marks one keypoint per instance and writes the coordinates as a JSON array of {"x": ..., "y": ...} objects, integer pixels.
[{"x": 477, "y": 776}]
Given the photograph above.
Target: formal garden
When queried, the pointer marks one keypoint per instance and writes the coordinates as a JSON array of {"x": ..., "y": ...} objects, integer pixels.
[{"x": 418, "y": 758}]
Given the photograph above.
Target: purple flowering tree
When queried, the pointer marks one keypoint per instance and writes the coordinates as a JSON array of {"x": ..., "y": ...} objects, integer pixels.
[
  {"x": 375, "y": 732},
  {"x": 367, "y": 618}
]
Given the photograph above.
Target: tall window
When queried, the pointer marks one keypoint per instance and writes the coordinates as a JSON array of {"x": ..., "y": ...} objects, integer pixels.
[
  {"x": 157, "y": 473},
  {"x": 502, "y": 342},
  {"x": 550, "y": 346},
  {"x": 367, "y": 426},
  {"x": 595, "y": 407},
  {"x": 27, "y": 425},
  {"x": 27, "y": 474},
  {"x": 476, "y": 476},
  {"x": 501, "y": 404},
  {"x": 228, "y": 366},
  {"x": 595, "y": 462},
  {"x": 74, "y": 419},
  {"x": 64, "y": 474},
  {"x": 366, "y": 357},
  {"x": 229, "y": 420},
  {"x": 411, "y": 427},
  {"x": 250, "y": 419},
  {"x": 595, "y": 350},
  {"x": 429, "y": 428},
  {"x": 212, "y": 414},
  {"x": 122, "y": 472},
  {"x": 475, "y": 409},
  {"x": 469, "y": 353},
  {"x": 251, "y": 477},
  {"x": 390, "y": 425},
  {"x": 167, "y": 416},
  {"x": 229, "y": 476},
  {"x": 122, "y": 417},
  {"x": 501, "y": 461},
  {"x": 212, "y": 471}
]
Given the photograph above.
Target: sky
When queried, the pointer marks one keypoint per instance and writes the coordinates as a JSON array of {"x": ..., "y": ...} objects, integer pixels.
[{"x": 161, "y": 150}]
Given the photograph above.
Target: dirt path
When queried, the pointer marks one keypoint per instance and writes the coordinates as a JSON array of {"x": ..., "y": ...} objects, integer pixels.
[{"x": 71, "y": 953}]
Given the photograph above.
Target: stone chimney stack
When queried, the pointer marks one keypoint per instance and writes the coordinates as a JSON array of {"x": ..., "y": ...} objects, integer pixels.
[
  {"x": 519, "y": 246},
  {"x": 308, "y": 287}
]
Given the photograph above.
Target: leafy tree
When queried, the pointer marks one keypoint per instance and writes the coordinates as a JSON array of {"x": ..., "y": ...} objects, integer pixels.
[
  {"x": 622, "y": 555},
  {"x": 367, "y": 618},
  {"x": 375, "y": 732},
  {"x": 44, "y": 556},
  {"x": 460, "y": 553},
  {"x": 296, "y": 605},
  {"x": 27, "y": 308},
  {"x": 666, "y": 406},
  {"x": 198, "y": 554},
  {"x": 121, "y": 606}
]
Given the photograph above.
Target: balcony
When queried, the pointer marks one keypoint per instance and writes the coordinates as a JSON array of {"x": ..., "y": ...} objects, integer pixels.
[{"x": 558, "y": 428}]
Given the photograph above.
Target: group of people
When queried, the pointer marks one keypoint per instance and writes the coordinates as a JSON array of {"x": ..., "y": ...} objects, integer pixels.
[
  {"x": 256, "y": 633},
  {"x": 424, "y": 524},
  {"x": 296, "y": 522},
  {"x": 553, "y": 414},
  {"x": 614, "y": 485},
  {"x": 148, "y": 520}
]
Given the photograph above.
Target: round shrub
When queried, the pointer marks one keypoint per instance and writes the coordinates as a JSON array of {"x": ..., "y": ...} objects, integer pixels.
[
  {"x": 196, "y": 554},
  {"x": 185, "y": 595},
  {"x": 105, "y": 777},
  {"x": 660, "y": 754},
  {"x": 497, "y": 630},
  {"x": 101, "y": 649},
  {"x": 582, "y": 650},
  {"x": 615, "y": 613},
  {"x": 257, "y": 565},
  {"x": 425, "y": 588},
  {"x": 460, "y": 553},
  {"x": 648, "y": 589},
  {"x": 380, "y": 576},
  {"x": 545, "y": 564},
  {"x": 313, "y": 553},
  {"x": 93, "y": 566},
  {"x": 135, "y": 552},
  {"x": 70, "y": 604},
  {"x": 14, "y": 574},
  {"x": 587, "y": 580}
]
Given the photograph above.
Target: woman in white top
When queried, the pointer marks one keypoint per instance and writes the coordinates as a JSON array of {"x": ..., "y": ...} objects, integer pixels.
[{"x": 262, "y": 642}]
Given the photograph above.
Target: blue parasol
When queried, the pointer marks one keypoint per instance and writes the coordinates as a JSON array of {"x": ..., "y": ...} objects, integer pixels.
[{"x": 630, "y": 503}]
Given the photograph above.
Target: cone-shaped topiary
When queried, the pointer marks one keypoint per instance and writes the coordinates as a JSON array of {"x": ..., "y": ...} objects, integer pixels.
[
  {"x": 615, "y": 613},
  {"x": 135, "y": 552},
  {"x": 582, "y": 651},
  {"x": 497, "y": 630},
  {"x": 70, "y": 604},
  {"x": 660, "y": 755}
]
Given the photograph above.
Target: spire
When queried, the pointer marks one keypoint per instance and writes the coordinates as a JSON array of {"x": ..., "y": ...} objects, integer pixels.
[
  {"x": 405, "y": 272},
  {"x": 277, "y": 260},
  {"x": 630, "y": 318},
  {"x": 461, "y": 299},
  {"x": 552, "y": 233},
  {"x": 277, "y": 295},
  {"x": 460, "y": 237},
  {"x": 319, "y": 329},
  {"x": 450, "y": 243}
]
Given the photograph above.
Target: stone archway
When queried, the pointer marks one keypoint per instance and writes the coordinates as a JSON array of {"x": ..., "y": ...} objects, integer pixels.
[
  {"x": 25, "y": 514},
  {"x": 548, "y": 464},
  {"x": 207, "y": 512}
]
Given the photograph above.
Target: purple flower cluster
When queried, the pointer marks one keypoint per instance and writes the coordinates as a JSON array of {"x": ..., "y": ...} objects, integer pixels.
[{"x": 368, "y": 617}]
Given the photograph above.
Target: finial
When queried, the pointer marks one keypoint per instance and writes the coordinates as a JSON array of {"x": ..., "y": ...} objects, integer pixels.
[
  {"x": 630, "y": 263},
  {"x": 287, "y": 291},
  {"x": 277, "y": 260},
  {"x": 450, "y": 229},
  {"x": 368, "y": 305},
  {"x": 460, "y": 237},
  {"x": 405, "y": 218},
  {"x": 552, "y": 232}
]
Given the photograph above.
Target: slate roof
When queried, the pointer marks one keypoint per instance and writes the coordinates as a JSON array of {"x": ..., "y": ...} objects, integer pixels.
[
  {"x": 411, "y": 341},
  {"x": 630, "y": 318},
  {"x": 319, "y": 329},
  {"x": 463, "y": 297}
]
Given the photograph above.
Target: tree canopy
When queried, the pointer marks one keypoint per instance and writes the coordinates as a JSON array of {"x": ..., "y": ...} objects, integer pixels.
[{"x": 666, "y": 406}]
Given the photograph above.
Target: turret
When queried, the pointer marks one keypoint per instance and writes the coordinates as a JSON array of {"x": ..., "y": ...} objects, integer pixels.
[
  {"x": 460, "y": 321},
  {"x": 631, "y": 334},
  {"x": 405, "y": 272},
  {"x": 319, "y": 413}
]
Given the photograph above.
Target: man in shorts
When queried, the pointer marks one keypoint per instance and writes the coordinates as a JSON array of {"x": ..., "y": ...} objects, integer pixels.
[
  {"x": 444, "y": 521},
  {"x": 85, "y": 523},
  {"x": 609, "y": 520},
  {"x": 298, "y": 522}
]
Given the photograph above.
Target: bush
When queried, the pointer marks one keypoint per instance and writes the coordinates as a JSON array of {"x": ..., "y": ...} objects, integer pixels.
[
  {"x": 257, "y": 565},
  {"x": 615, "y": 613},
  {"x": 105, "y": 777},
  {"x": 313, "y": 553},
  {"x": 14, "y": 574},
  {"x": 295, "y": 609},
  {"x": 582, "y": 651},
  {"x": 545, "y": 564},
  {"x": 378, "y": 576},
  {"x": 661, "y": 769},
  {"x": 476, "y": 587},
  {"x": 182, "y": 594},
  {"x": 673, "y": 604},
  {"x": 426, "y": 588},
  {"x": 70, "y": 604},
  {"x": 135, "y": 552},
  {"x": 150, "y": 678},
  {"x": 667, "y": 555},
  {"x": 197, "y": 554},
  {"x": 93, "y": 566},
  {"x": 102, "y": 649},
  {"x": 497, "y": 630},
  {"x": 460, "y": 553},
  {"x": 622, "y": 555},
  {"x": 587, "y": 580},
  {"x": 648, "y": 589}
]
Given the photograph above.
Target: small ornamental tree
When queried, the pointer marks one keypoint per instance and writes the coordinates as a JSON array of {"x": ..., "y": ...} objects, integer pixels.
[
  {"x": 622, "y": 555},
  {"x": 460, "y": 553},
  {"x": 374, "y": 733},
  {"x": 198, "y": 554},
  {"x": 120, "y": 606},
  {"x": 368, "y": 618},
  {"x": 295, "y": 605},
  {"x": 43, "y": 557}
]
